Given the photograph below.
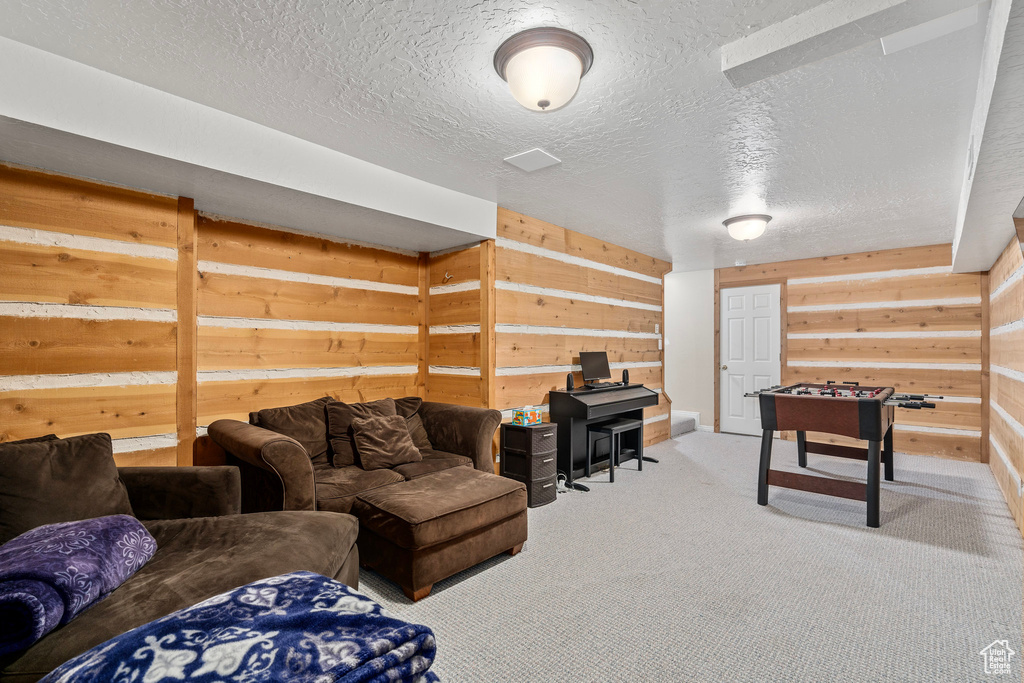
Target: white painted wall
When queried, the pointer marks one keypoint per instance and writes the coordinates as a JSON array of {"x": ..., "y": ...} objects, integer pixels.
[{"x": 690, "y": 342}]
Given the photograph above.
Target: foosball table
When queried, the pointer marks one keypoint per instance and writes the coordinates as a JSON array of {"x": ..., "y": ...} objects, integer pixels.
[{"x": 865, "y": 413}]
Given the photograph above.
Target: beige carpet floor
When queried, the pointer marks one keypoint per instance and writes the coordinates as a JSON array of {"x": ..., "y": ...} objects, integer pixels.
[{"x": 676, "y": 574}]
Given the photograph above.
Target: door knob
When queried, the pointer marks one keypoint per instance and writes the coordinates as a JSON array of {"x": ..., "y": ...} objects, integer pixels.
[{"x": 725, "y": 367}]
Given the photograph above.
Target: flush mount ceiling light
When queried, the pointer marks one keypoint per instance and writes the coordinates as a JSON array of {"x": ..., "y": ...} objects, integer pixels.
[
  {"x": 747, "y": 227},
  {"x": 543, "y": 66}
]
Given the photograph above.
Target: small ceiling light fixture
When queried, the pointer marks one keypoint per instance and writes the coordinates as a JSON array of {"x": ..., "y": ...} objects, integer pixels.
[
  {"x": 543, "y": 66},
  {"x": 748, "y": 227}
]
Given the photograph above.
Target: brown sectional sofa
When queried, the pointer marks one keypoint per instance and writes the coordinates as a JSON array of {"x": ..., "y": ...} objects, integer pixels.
[
  {"x": 204, "y": 547},
  {"x": 420, "y": 521}
]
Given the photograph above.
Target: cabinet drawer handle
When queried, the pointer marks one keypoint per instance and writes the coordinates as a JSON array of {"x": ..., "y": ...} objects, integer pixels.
[
  {"x": 547, "y": 486},
  {"x": 547, "y": 435},
  {"x": 547, "y": 460}
]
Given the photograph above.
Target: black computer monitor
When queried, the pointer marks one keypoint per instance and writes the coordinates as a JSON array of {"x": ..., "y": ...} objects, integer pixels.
[{"x": 595, "y": 365}]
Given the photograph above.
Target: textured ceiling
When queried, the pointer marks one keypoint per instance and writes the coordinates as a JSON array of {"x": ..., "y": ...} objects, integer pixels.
[{"x": 855, "y": 152}]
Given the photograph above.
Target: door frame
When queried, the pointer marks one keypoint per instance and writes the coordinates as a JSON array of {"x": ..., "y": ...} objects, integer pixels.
[{"x": 783, "y": 327}]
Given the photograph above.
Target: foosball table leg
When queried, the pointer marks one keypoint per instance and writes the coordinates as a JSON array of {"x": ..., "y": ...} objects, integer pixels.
[
  {"x": 874, "y": 485},
  {"x": 801, "y": 449},
  {"x": 766, "y": 463},
  {"x": 887, "y": 455}
]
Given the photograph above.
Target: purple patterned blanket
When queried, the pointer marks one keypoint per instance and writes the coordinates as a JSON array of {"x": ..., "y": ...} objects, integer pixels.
[
  {"x": 51, "y": 573},
  {"x": 294, "y": 628}
]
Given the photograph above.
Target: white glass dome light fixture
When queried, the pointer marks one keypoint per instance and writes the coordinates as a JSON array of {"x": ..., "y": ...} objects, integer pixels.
[
  {"x": 543, "y": 66},
  {"x": 748, "y": 227}
]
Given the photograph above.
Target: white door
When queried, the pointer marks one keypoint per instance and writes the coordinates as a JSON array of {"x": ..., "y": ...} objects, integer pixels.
[{"x": 751, "y": 354}]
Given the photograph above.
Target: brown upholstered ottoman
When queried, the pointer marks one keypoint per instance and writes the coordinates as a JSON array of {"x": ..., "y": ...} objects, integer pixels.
[{"x": 423, "y": 530}]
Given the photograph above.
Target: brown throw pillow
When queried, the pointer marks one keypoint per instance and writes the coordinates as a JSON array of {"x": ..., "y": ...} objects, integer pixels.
[
  {"x": 58, "y": 480},
  {"x": 339, "y": 426},
  {"x": 408, "y": 408},
  {"x": 383, "y": 442},
  {"x": 304, "y": 422}
]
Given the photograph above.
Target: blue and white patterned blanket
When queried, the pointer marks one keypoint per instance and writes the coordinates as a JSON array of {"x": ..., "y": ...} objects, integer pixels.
[
  {"x": 289, "y": 628},
  {"x": 51, "y": 573}
]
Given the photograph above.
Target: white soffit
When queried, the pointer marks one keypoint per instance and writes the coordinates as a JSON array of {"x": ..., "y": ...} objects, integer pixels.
[
  {"x": 930, "y": 30},
  {"x": 993, "y": 192},
  {"x": 228, "y": 164},
  {"x": 824, "y": 31}
]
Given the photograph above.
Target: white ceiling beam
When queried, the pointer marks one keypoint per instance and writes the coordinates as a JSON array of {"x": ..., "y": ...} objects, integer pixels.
[
  {"x": 991, "y": 194},
  {"x": 826, "y": 30}
]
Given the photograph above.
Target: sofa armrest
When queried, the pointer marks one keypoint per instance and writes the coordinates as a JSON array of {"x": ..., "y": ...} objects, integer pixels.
[
  {"x": 462, "y": 430},
  {"x": 182, "y": 492},
  {"x": 279, "y": 454}
]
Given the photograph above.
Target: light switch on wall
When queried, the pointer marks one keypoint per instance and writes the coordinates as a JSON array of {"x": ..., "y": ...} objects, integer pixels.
[
  {"x": 657, "y": 327},
  {"x": 659, "y": 344}
]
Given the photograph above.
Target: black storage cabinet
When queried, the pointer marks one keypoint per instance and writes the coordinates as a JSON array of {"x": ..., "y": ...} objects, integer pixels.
[{"x": 528, "y": 454}]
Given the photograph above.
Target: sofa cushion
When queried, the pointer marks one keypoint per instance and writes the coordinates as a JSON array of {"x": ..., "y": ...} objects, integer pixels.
[
  {"x": 304, "y": 422},
  {"x": 58, "y": 480},
  {"x": 408, "y": 408},
  {"x": 195, "y": 560},
  {"x": 383, "y": 442},
  {"x": 339, "y": 426},
  {"x": 439, "y": 507},
  {"x": 433, "y": 461},
  {"x": 337, "y": 487}
]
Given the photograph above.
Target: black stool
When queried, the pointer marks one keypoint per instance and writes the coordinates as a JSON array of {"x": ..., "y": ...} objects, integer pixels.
[{"x": 614, "y": 431}]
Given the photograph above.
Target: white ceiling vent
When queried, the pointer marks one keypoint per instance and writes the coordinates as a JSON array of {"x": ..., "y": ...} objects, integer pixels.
[{"x": 534, "y": 160}]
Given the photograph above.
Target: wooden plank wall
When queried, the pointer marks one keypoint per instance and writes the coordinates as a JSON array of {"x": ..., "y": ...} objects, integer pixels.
[
  {"x": 558, "y": 292},
  {"x": 1006, "y": 374},
  {"x": 455, "y": 319},
  {"x": 88, "y": 325},
  {"x": 285, "y": 318},
  {"x": 896, "y": 318}
]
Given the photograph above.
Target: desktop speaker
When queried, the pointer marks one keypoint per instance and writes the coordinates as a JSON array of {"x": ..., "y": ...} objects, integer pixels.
[
  {"x": 625, "y": 376},
  {"x": 568, "y": 382}
]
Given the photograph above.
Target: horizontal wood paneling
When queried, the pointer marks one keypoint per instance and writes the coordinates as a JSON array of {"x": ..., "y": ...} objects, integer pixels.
[
  {"x": 455, "y": 349},
  {"x": 462, "y": 266},
  {"x": 34, "y": 273},
  {"x": 32, "y": 199},
  {"x": 250, "y": 297},
  {"x": 530, "y": 269},
  {"x": 1009, "y": 305},
  {"x": 936, "y": 382},
  {"x": 235, "y": 399},
  {"x": 121, "y": 411},
  {"x": 945, "y": 414},
  {"x": 1009, "y": 394},
  {"x": 912, "y": 288},
  {"x": 157, "y": 457},
  {"x": 1011, "y": 442},
  {"x": 518, "y": 308},
  {"x": 1008, "y": 262},
  {"x": 913, "y": 350},
  {"x": 952, "y": 446},
  {"x": 518, "y": 350},
  {"x": 248, "y": 245},
  {"x": 514, "y": 391},
  {"x": 463, "y": 390},
  {"x": 36, "y": 346},
  {"x": 1008, "y": 350},
  {"x": 227, "y": 348},
  {"x": 657, "y": 432},
  {"x": 455, "y": 308},
  {"x": 1008, "y": 485},
  {"x": 516, "y": 226},
  {"x": 909, "y": 319},
  {"x": 842, "y": 264}
]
